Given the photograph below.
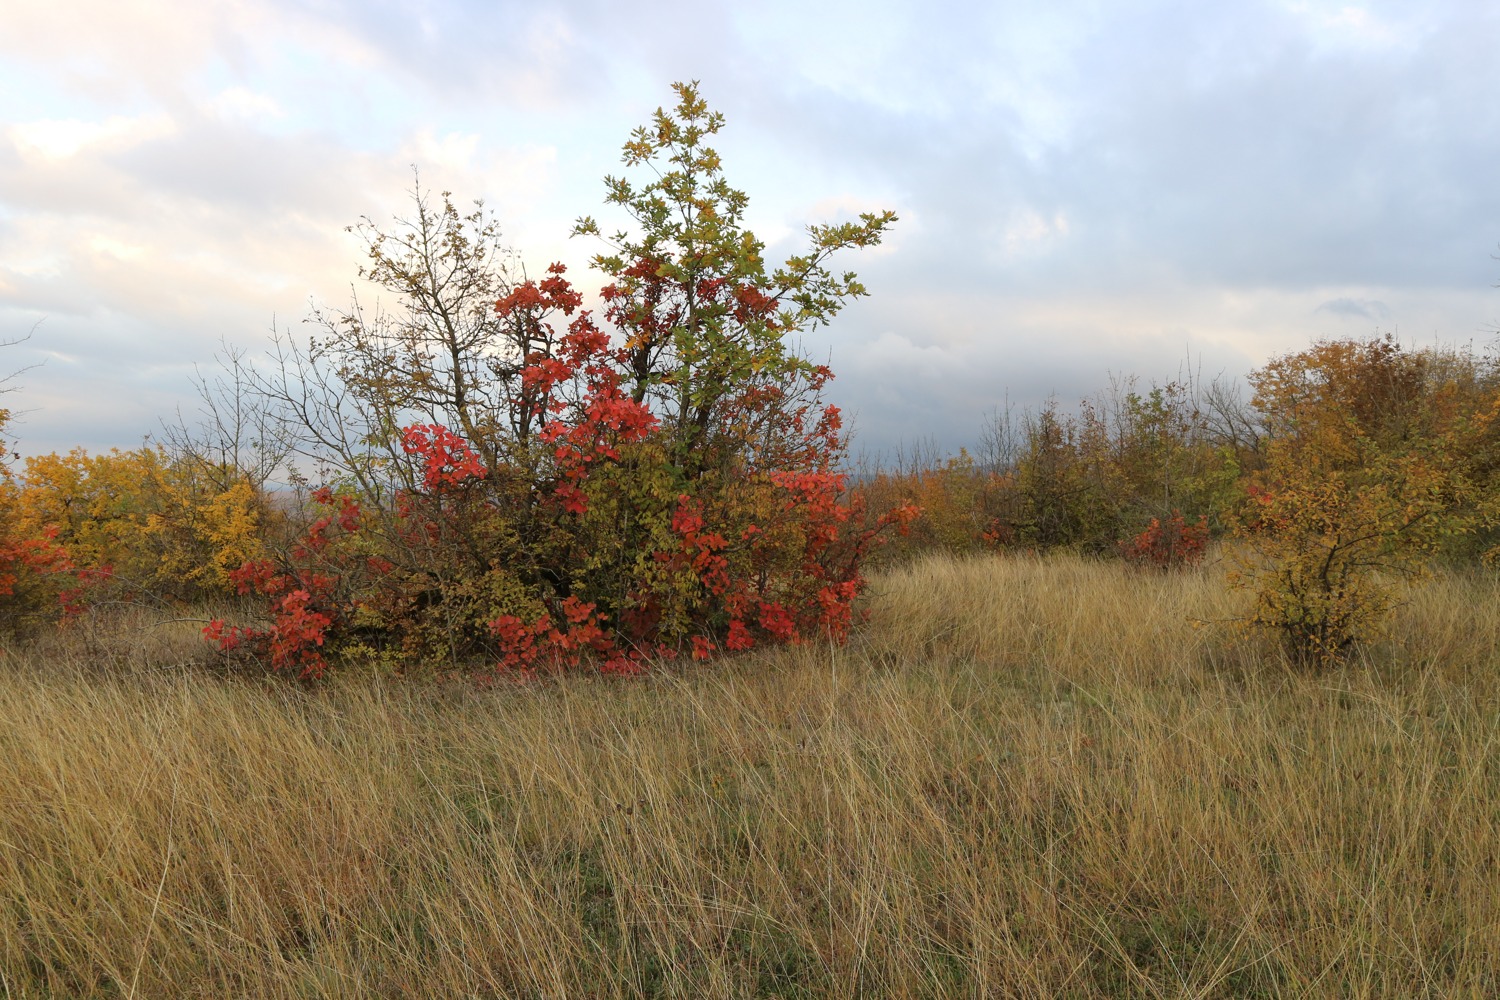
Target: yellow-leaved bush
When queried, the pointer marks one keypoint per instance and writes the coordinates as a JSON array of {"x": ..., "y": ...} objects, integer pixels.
[{"x": 147, "y": 525}]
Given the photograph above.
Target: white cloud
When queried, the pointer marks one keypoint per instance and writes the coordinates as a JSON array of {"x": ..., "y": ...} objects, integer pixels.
[
  {"x": 1031, "y": 234},
  {"x": 1340, "y": 25},
  {"x": 453, "y": 151},
  {"x": 62, "y": 139},
  {"x": 108, "y": 247},
  {"x": 246, "y": 105}
]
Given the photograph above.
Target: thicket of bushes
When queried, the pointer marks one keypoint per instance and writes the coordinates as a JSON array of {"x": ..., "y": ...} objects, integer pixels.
[
  {"x": 1352, "y": 463},
  {"x": 491, "y": 473}
]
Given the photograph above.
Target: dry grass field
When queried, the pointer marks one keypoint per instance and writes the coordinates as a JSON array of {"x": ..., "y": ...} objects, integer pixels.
[{"x": 1023, "y": 778}]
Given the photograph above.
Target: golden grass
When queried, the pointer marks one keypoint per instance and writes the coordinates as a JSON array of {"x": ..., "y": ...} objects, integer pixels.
[{"x": 1030, "y": 778}]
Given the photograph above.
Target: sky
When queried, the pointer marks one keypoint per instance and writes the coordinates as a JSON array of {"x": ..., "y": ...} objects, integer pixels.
[{"x": 1085, "y": 189}]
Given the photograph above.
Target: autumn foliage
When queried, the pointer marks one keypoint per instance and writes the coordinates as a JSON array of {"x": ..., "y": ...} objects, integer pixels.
[
  {"x": 1149, "y": 475},
  {"x": 1354, "y": 465},
  {"x": 1378, "y": 460},
  {"x": 1170, "y": 544},
  {"x": 537, "y": 486},
  {"x": 495, "y": 471}
]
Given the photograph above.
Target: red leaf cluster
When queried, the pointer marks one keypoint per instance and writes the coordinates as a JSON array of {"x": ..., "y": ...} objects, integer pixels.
[
  {"x": 447, "y": 458},
  {"x": 1172, "y": 545}
]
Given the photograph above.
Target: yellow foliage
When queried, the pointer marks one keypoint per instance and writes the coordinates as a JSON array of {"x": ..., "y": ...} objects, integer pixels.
[
  {"x": 1371, "y": 468},
  {"x": 161, "y": 527}
]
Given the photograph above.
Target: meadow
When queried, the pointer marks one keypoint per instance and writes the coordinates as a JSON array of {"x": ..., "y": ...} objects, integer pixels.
[{"x": 1022, "y": 777}]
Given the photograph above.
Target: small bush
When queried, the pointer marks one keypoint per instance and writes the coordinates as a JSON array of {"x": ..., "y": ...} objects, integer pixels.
[{"x": 1173, "y": 545}]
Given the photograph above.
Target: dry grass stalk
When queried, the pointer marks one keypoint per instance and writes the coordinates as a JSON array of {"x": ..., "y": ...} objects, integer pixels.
[{"x": 1025, "y": 778}]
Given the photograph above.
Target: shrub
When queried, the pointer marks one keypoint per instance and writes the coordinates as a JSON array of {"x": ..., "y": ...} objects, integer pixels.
[
  {"x": 1173, "y": 545},
  {"x": 40, "y": 580},
  {"x": 1369, "y": 470},
  {"x": 666, "y": 480}
]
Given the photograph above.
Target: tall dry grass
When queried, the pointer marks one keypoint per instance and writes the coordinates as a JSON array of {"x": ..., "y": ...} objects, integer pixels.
[{"x": 1024, "y": 778}]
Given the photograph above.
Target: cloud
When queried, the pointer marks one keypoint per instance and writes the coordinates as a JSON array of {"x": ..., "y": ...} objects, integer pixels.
[
  {"x": 1371, "y": 309},
  {"x": 244, "y": 104},
  {"x": 1083, "y": 188},
  {"x": 1029, "y": 234},
  {"x": 144, "y": 246},
  {"x": 52, "y": 141}
]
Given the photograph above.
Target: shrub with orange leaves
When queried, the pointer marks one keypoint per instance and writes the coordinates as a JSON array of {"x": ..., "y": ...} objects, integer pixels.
[
  {"x": 955, "y": 501},
  {"x": 1173, "y": 545},
  {"x": 1374, "y": 462}
]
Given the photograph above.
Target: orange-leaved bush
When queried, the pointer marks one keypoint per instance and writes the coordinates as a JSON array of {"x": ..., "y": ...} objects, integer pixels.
[
  {"x": 1377, "y": 458},
  {"x": 1174, "y": 544}
]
